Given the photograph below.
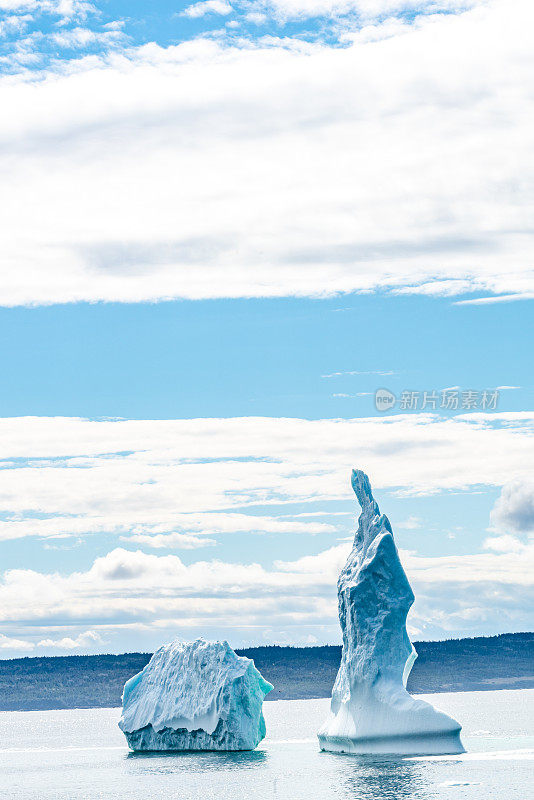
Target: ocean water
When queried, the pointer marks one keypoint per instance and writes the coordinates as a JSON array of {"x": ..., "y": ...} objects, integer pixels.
[{"x": 70, "y": 755}]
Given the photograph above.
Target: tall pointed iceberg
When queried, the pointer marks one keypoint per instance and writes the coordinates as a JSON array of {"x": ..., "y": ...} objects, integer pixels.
[{"x": 371, "y": 711}]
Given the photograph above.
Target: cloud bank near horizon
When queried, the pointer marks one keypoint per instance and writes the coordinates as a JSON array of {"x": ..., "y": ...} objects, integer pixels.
[
  {"x": 182, "y": 484},
  {"x": 156, "y": 597}
]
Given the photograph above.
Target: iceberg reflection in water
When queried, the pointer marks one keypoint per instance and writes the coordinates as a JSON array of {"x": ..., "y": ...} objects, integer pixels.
[{"x": 200, "y": 761}]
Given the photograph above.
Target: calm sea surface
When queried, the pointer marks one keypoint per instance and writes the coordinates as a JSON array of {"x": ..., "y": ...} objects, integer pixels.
[{"x": 81, "y": 754}]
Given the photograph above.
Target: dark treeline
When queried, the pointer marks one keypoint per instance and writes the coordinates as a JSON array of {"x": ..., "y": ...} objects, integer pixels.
[{"x": 455, "y": 665}]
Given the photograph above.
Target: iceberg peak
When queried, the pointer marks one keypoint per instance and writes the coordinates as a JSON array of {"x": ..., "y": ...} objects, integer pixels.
[
  {"x": 371, "y": 711},
  {"x": 362, "y": 488}
]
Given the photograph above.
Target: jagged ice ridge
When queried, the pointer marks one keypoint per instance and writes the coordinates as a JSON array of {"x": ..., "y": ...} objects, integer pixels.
[{"x": 195, "y": 696}]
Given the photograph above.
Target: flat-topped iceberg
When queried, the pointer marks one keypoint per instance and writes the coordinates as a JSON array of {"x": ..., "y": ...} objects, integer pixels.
[
  {"x": 371, "y": 711},
  {"x": 195, "y": 696}
]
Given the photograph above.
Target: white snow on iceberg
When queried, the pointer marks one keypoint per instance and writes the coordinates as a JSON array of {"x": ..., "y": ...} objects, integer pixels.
[
  {"x": 371, "y": 711},
  {"x": 195, "y": 696}
]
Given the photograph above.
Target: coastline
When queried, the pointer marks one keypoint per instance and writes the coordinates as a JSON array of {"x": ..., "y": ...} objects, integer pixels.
[{"x": 297, "y": 673}]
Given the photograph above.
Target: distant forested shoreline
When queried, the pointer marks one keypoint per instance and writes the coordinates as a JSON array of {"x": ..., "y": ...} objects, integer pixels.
[{"x": 454, "y": 665}]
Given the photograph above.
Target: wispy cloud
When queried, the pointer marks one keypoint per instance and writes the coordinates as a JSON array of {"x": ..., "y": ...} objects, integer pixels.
[
  {"x": 79, "y": 38},
  {"x": 170, "y": 541},
  {"x": 367, "y": 12},
  {"x": 410, "y": 524},
  {"x": 64, "y": 9},
  {"x": 196, "y": 10},
  {"x": 356, "y": 394},
  {"x": 358, "y": 372},
  {"x": 496, "y": 298}
]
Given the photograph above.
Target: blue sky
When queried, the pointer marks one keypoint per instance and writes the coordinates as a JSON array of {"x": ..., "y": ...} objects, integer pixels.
[
  {"x": 257, "y": 357},
  {"x": 226, "y": 226},
  {"x": 48, "y": 25}
]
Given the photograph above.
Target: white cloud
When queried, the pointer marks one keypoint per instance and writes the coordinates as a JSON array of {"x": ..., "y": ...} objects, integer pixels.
[
  {"x": 501, "y": 298},
  {"x": 410, "y": 524},
  {"x": 328, "y": 563},
  {"x": 222, "y": 523},
  {"x": 14, "y": 24},
  {"x": 366, "y": 10},
  {"x": 159, "y": 595},
  {"x": 514, "y": 509},
  {"x": 179, "y": 531},
  {"x": 357, "y": 372},
  {"x": 17, "y": 5},
  {"x": 356, "y": 394},
  {"x": 276, "y": 167},
  {"x": 156, "y": 481},
  {"x": 65, "y": 9},
  {"x": 256, "y": 17},
  {"x": 89, "y": 639},
  {"x": 198, "y": 477},
  {"x": 220, "y": 7},
  {"x": 79, "y": 38},
  {"x": 504, "y": 544},
  {"x": 19, "y": 645},
  {"x": 160, "y": 541}
]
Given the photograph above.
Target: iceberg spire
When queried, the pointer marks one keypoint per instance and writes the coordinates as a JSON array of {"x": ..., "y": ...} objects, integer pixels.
[{"x": 371, "y": 711}]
